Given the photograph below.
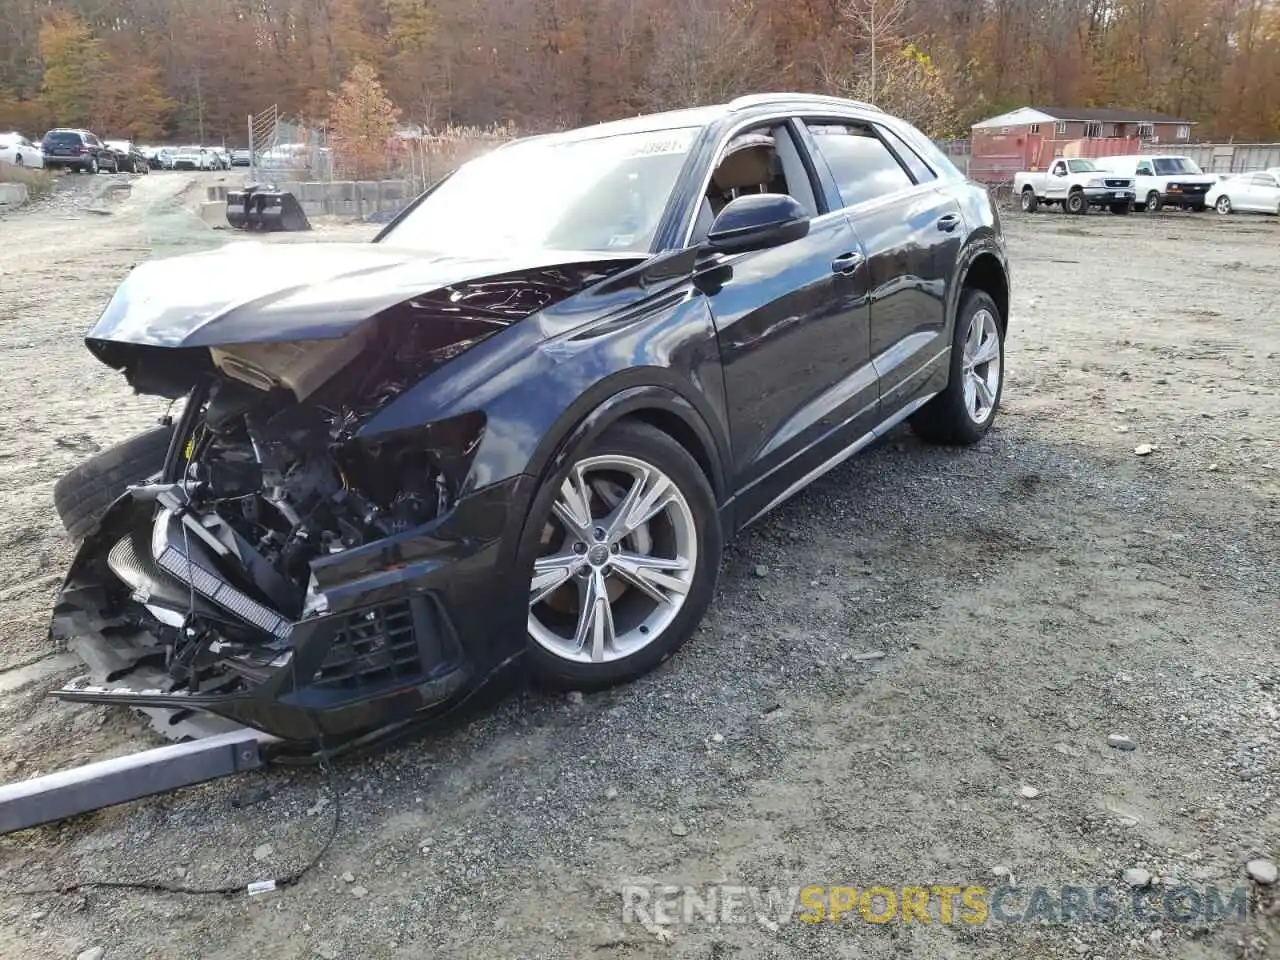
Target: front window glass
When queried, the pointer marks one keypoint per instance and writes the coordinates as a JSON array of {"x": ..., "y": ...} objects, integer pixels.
[
  {"x": 1083, "y": 166},
  {"x": 603, "y": 194}
]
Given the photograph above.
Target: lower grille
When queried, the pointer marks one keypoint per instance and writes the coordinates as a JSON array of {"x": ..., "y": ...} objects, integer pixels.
[{"x": 377, "y": 647}]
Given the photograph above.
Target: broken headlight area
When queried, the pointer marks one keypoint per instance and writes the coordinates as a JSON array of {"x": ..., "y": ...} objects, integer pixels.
[
  {"x": 207, "y": 571},
  {"x": 209, "y": 576}
]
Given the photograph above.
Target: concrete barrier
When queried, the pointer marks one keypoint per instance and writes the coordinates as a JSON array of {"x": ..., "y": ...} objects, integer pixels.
[
  {"x": 13, "y": 194},
  {"x": 214, "y": 214},
  {"x": 342, "y": 198}
]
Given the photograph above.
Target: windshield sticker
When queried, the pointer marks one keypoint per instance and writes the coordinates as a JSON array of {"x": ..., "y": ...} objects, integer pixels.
[
  {"x": 622, "y": 240},
  {"x": 666, "y": 142}
]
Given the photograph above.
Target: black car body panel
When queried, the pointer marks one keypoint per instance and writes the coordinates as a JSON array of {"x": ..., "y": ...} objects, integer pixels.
[{"x": 414, "y": 403}]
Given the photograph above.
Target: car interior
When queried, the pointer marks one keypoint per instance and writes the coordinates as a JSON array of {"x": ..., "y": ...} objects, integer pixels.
[{"x": 764, "y": 160}]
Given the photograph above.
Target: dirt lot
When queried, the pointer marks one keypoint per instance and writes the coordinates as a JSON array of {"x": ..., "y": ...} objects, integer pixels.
[{"x": 1030, "y": 597}]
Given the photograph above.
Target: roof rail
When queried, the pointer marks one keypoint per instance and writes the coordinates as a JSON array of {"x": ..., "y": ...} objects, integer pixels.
[{"x": 757, "y": 99}]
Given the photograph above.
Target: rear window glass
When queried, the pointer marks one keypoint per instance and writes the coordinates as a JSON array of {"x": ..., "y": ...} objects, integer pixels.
[
  {"x": 62, "y": 137},
  {"x": 861, "y": 164}
]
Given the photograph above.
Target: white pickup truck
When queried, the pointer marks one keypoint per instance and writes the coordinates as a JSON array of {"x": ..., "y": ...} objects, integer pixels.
[{"x": 1077, "y": 184}]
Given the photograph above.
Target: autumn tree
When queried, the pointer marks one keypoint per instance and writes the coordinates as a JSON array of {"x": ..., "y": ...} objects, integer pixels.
[
  {"x": 72, "y": 66},
  {"x": 362, "y": 121},
  {"x": 133, "y": 104},
  {"x": 909, "y": 86}
]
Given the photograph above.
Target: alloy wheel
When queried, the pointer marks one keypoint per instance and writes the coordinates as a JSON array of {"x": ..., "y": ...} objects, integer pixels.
[
  {"x": 1223, "y": 205},
  {"x": 981, "y": 365},
  {"x": 619, "y": 555}
]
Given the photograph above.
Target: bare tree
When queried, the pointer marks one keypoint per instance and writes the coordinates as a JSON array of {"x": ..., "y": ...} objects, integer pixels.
[
  {"x": 710, "y": 51},
  {"x": 878, "y": 23}
]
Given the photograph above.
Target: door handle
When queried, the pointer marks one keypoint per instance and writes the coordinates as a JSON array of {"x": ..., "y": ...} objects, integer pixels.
[
  {"x": 948, "y": 223},
  {"x": 847, "y": 264}
]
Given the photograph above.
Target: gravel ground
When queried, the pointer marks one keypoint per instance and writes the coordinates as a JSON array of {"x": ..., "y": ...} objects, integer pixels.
[{"x": 908, "y": 677}]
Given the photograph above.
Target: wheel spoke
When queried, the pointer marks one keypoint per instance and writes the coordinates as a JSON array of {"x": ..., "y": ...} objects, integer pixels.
[
  {"x": 987, "y": 351},
  {"x": 648, "y": 496},
  {"x": 573, "y": 507},
  {"x": 971, "y": 394},
  {"x": 552, "y": 572},
  {"x": 654, "y": 575},
  {"x": 984, "y": 392},
  {"x": 595, "y": 618},
  {"x": 974, "y": 338}
]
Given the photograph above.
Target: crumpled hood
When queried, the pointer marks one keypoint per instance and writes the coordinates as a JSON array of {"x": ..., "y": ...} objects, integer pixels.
[{"x": 254, "y": 292}]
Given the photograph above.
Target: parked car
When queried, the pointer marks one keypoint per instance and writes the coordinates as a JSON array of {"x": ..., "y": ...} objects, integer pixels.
[
  {"x": 154, "y": 156},
  {"x": 77, "y": 150},
  {"x": 1077, "y": 184},
  {"x": 19, "y": 151},
  {"x": 520, "y": 423},
  {"x": 222, "y": 158},
  {"x": 241, "y": 158},
  {"x": 128, "y": 157},
  {"x": 1165, "y": 181},
  {"x": 1246, "y": 193},
  {"x": 193, "y": 158}
]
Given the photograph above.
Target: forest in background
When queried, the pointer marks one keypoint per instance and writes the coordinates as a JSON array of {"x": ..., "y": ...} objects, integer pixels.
[{"x": 193, "y": 69}]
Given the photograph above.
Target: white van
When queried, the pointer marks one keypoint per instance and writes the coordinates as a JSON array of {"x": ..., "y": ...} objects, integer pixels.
[{"x": 1164, "y": 180}]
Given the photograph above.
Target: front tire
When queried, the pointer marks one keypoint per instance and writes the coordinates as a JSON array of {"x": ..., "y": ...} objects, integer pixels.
[
  {"x": 964, "y": 411},
  {"x": 17, "y": 161},
  {"x": 1030, "y": 202},
  {"x": 1223, "y": 206},
  {"x": 1076, "y": 203},
  {"x": 626, "y": 549},
  {"x": 1153, "y": 202},
  {"x": 83, "y": 495}
]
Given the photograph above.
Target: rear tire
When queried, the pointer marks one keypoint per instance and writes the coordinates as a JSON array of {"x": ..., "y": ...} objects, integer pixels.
[
  {"x": 83, "y": 495},
  {"x": 949, "y": 418},
  {"x": 687, "y": 525}
]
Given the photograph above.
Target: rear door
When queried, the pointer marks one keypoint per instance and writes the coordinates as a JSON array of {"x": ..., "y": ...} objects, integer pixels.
[
  {"x": 1263, "y": 193},
  {"x": 911, "y": 231}
]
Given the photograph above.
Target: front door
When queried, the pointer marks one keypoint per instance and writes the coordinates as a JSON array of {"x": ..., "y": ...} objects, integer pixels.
[{"x": 793, "y": 328}]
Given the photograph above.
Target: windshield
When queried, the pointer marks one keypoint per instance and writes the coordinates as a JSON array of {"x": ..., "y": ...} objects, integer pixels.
[
  {"x": 1168, "y": 165},
  {"x": 1083, "y": 166},
  {"x": 601, "y": 194}
]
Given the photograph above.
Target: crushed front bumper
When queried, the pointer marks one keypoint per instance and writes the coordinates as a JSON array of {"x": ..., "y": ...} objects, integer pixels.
[{"x": 411, "y": 626}]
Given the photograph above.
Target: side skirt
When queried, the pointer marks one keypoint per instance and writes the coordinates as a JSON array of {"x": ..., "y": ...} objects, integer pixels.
[{"x": 839, "y": 458}]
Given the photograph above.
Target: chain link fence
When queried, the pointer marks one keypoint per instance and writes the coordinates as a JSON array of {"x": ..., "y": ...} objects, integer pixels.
[{"x": 282, "y": 149}]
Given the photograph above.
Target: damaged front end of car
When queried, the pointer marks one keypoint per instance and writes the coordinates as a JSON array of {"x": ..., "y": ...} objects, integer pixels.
[{"x": 294, "y": 566}]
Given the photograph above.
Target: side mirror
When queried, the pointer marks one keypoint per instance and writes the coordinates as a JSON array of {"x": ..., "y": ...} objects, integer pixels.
[{"x": 756, "y": 222}]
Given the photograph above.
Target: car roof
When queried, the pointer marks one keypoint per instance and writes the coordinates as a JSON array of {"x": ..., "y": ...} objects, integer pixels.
[{"x": 704, "y": 116}]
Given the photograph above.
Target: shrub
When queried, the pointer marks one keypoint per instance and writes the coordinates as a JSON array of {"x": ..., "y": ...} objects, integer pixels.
[{"x": 38, "y": 182}]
